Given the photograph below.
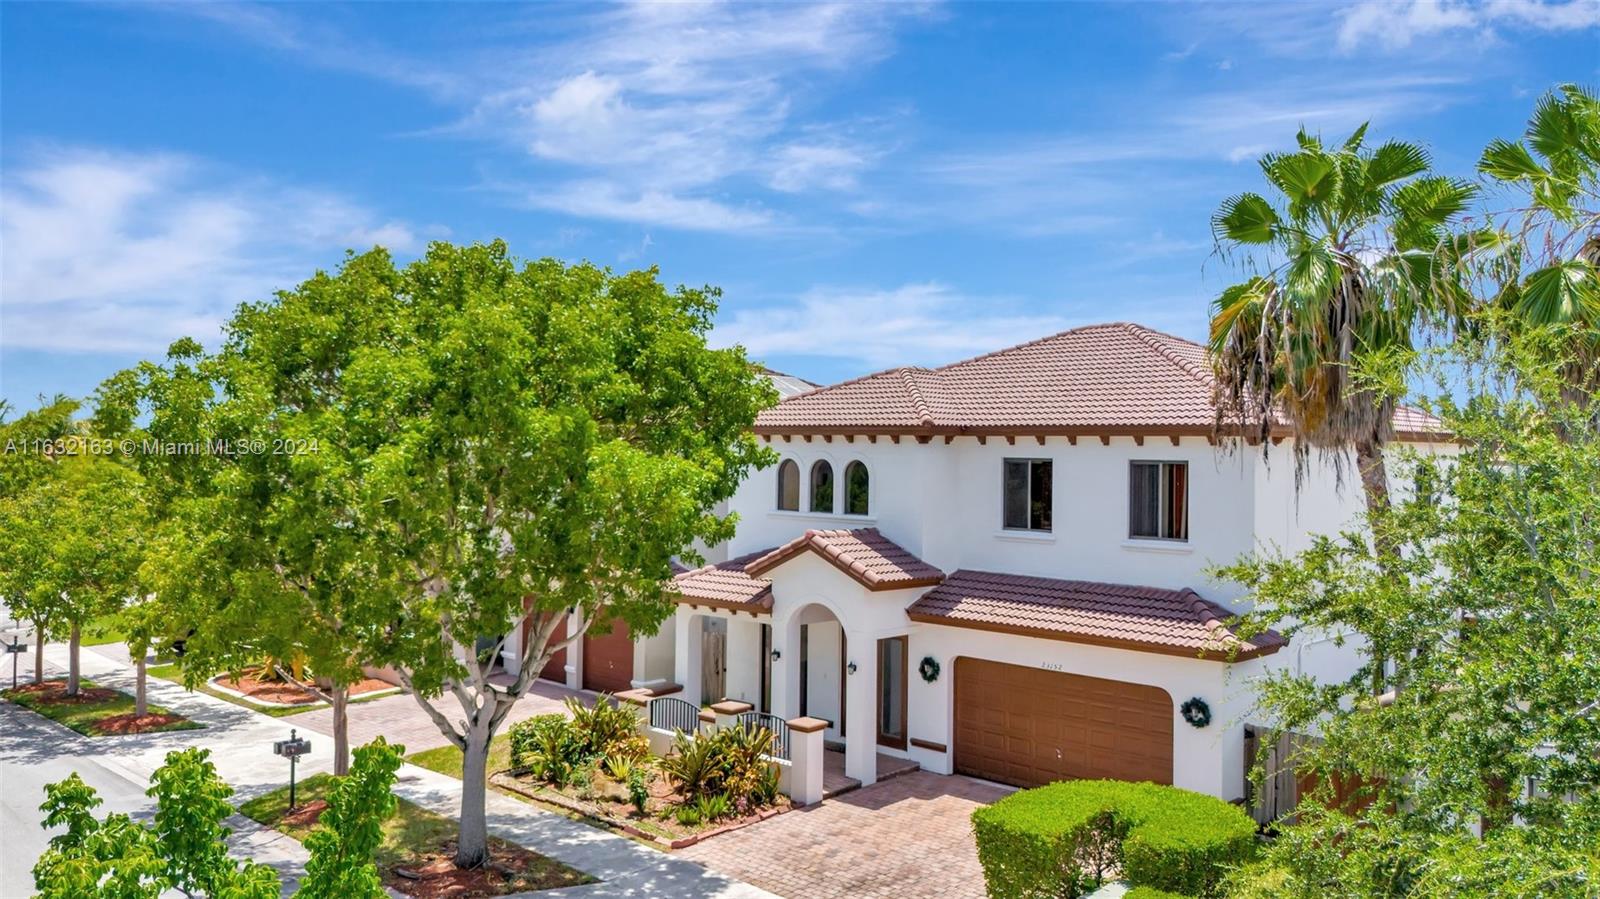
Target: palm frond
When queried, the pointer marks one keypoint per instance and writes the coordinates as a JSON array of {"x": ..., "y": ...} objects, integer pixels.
[
  {"x": 1395, "y": 161},
  {"x": 1563, "y": 293},
  {"x": 1246, "y": 219},
  {"x": 1424, "y": 207},
  {"x": 1503, "y": 160}
]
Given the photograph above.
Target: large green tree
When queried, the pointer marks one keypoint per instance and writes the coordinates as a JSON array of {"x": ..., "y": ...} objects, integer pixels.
[
  {"x": 541, "y": 438},
  {"x": 261, "y": 558},
  {"x": 1345, "y": 259},
  {"x": 1546, "y": 270},
  {"x": 29, "y": 446},
  {"x": 75, "y": 531},
  {"x": 1480, "y": 772}
]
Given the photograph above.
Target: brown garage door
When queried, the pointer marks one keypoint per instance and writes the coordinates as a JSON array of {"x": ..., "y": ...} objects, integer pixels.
[
  {"x": 608, "y": 660},
  {"x": 1029, "y": 726}
]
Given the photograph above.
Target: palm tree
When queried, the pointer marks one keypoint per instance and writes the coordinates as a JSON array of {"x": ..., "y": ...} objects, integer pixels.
[
  {"x": 1347, "y": 262},
  {"x": 1557, "y": 166}
]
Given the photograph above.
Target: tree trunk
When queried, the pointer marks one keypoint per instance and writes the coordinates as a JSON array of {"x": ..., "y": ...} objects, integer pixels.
[
  {"x": 72, "y": 661},
  {"x": 1375, "y": 485},
  {"x": 38, "y": 652},
  {"x": 341, "y": 729},
  {"x": 140, "y": 706},
  {"x": 472, "y": 842}
]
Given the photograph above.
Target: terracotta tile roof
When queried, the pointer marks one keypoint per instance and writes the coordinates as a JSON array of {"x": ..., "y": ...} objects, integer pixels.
[
  {"x": 874, "y": 560},
  {"x": 725, "y": 585},
  {"x": 1150, "y": 619},
  {"x": 1090, "y": 379}
]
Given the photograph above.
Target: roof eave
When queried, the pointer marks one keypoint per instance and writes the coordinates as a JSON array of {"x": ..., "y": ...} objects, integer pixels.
[{"x": 1241, "y": 654}]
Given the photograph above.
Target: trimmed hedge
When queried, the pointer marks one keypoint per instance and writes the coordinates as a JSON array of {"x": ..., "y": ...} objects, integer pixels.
[{"x": 1064, "y": 838}]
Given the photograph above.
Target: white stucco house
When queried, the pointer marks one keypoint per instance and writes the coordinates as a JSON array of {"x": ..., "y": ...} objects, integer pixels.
[{"x": 998, "y": 568}]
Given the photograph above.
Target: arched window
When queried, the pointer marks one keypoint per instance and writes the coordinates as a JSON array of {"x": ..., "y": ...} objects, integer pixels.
[
  {"x": 855, "y": 489},
  {"x": 789, "y": 486},
  {"x": 822, "y": 487}
]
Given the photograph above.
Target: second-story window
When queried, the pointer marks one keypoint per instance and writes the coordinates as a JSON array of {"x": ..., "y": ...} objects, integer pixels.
[
  {"x": 822, "y": 487},
  {"x": 1158, "y": 500},
  {"x": 855, "y": 489},
  {"x": 789, "y": 486},
  {"x": 1027, "y": 495}
]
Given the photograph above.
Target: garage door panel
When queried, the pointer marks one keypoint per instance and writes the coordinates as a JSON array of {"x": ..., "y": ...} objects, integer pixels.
[
  {"x": 1029, "y": 726},
  {"x": 608, "y": 660}
]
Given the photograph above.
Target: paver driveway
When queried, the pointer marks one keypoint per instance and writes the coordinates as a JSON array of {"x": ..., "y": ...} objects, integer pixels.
[{"x": 906, "y": 837}]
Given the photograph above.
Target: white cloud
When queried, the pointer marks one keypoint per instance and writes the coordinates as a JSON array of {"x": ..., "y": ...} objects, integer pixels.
[
  {"x": 804, "y": 166},
  {"x": 606, "y": 200},
  {"x": 126, "y": 252},
  {"x": 914, "y": 324},
  {"x": 1395, "y": 24}
]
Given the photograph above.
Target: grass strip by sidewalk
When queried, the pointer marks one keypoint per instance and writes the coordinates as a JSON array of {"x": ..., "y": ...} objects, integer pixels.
[
  {"x": 447, "y": 759},
  {"x": 418, "y": 845},
  {"x": 96, "y": 711}
]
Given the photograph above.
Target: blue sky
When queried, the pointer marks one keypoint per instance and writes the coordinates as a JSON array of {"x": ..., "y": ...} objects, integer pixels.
[{"x": 869, "y": 184}]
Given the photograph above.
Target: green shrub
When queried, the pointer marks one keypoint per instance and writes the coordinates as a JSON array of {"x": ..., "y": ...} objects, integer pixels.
[
  {"x": 607, "y": 729},
  {"x": 713, "y": 807},
  {"x": 728, "y": 762},
  {"x": 547, "y": 747},
  {"x": 1062, "y": 839},
  {"x": 638, "y": 788},
  {"x": 1150, "y": 893}
]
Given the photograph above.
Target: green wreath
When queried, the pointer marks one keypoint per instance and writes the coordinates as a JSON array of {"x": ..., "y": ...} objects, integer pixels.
[
  {"x": 1196, "y": 712},
  {"x": 929, "y": 669}
]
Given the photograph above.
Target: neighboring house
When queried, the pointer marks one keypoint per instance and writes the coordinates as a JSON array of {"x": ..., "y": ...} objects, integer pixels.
[{"x": 998, "y": 568}]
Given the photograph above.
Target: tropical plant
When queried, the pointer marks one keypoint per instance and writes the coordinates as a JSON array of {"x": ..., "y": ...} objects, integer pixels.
[
  {"x": 548, "y": 748},
  {"x": 1345, "y": 260},
  {"x": 607, "y": 729},
  {"x": 1479, "y": 775},
  {"x": 694, "y": 764},
  {"x": 350, "y": 829},
  {"x": 713, "y": 807},
  {"x": 1548, "y": 276},
  {"x": 638, "y": 782}
]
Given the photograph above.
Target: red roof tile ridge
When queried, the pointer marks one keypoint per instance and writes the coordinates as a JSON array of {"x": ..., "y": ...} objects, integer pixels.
[
  {"x": 919, "y": 405},
  {"x": 1157, "y": 340}
]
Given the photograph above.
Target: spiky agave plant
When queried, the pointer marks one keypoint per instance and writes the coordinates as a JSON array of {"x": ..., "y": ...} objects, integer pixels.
[{"x": 1352, "y": 252}]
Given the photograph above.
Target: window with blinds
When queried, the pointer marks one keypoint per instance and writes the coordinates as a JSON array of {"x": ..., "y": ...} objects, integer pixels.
[{"x": 1158, "y": 500}]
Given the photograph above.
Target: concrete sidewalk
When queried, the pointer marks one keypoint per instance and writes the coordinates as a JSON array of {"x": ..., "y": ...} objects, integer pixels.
[{"x": 241, "y": 745}]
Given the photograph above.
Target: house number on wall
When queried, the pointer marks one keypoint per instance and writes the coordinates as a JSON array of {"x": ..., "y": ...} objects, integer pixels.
[{"x": 1052, "y": 666}]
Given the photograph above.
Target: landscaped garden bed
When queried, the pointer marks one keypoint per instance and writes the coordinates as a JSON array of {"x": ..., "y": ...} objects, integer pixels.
[
  {"x": 418, "y": 848},
  {"x": 597, "y": 765},
  {"x": 260, "y": 686},
  {"x": 96, "y": 711}
]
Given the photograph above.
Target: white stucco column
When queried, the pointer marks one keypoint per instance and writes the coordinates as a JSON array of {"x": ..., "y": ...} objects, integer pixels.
[
  {"x": 686, "y": 654},
  {"x": 861, "y": 735},
  {"x": 805, "y": 760},
  {"x": 786, "y": 668},
  {"x": 575, "y": 652}
]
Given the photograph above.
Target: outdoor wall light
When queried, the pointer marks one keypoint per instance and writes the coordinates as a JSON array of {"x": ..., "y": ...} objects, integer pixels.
[
  {"x": 776, "y": 655},
  {"x": 851, "y": 667}
]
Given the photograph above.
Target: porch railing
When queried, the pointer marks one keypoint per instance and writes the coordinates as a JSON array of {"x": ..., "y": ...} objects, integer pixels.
[
  {"x": 778, "y": 727},
  {"x": 670, "y": 713}
]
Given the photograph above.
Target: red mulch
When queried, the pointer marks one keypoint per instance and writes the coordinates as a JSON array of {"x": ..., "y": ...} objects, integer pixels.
[
  {"x": 511, "y": 869},
  {"x": 134, "y": 724},
  {"x": 249, "y": 682},
  {"x": 54, "y": 692},
  {"x": 305, "y": 814}
]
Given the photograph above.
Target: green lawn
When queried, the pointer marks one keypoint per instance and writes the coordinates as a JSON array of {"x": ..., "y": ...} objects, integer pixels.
[
  {"x": 97, "y": 712},
  {"x": 102, "y": 630},
  {"x": 412, "y": 837},
  {"x": 447, "y": 759}
]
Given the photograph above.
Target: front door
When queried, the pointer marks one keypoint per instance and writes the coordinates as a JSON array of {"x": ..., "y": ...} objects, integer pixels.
[
  {"x": 892, "y": 692},
  {"x": 714, "y": 659}
]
